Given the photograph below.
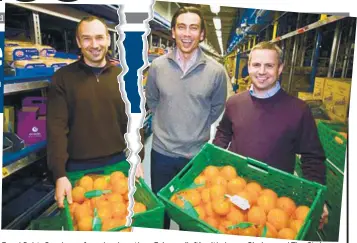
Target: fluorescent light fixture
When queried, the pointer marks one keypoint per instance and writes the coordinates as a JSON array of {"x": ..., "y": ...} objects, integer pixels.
[
  {"x": 215, "y": 8},
  {"x": 219, "y": 33},
  {"x": 217, "y": 23}
]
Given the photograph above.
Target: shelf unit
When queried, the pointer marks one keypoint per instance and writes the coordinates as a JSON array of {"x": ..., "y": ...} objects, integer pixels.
[
  {"x": 20, "y": 85},
  {"x": 293, "y": 39}
]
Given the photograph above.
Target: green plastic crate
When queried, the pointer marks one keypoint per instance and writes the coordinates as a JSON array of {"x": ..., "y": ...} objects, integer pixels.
[
  {"x": 152, "y": 218},
  {"x": 334, "y": 183},
  {"x": 302, "y": 191},
  {"x": 57, "y": 223},
  {"x": 330, "y": 231},
  {"x": 335, "y": 152}
]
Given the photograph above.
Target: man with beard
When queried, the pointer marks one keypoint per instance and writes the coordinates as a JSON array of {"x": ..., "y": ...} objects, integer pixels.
[
  {"x": 186, "y": 92},
  {"x": 86, "y": 119}
]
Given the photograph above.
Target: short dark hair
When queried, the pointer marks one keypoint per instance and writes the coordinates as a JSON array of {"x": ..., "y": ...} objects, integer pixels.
[
  {"x": 90, "y": 19},
  {"x": 189, "y": 9}
]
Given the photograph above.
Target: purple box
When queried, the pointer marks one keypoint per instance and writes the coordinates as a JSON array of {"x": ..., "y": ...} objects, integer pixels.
[
  {"x": 31, "y": 126},
  {"x": 39, "y": 102}
]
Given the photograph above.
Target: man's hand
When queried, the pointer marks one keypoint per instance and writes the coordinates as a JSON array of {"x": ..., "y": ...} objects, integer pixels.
[
  {"x": 139, "y": 171},
  {"x": 324, "y": 217},
  {"x": 63, "y": 188}
]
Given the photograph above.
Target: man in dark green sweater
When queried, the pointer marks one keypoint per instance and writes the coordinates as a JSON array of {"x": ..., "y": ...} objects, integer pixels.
[{"x": 86, "y": 119}]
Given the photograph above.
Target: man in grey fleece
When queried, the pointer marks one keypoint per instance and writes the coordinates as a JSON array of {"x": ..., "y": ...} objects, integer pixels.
[{"x": 186, "y": 92}]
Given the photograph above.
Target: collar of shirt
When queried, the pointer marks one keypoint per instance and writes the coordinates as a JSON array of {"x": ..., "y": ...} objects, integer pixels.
[
  {"x": 189, "y": 63},
  {"x": 267, "y": 94}
]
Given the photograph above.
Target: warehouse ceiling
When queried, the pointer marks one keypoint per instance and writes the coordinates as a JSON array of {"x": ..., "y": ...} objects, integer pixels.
[{"x": 227, "y": 15}]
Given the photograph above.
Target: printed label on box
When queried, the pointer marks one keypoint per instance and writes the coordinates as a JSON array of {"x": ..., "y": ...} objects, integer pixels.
[
  {"x": 24, "y": 54},
  {"x": 58, "y": 66},
  {"x": 36, "y": 65},
  {"x": 48, "y": 52}
]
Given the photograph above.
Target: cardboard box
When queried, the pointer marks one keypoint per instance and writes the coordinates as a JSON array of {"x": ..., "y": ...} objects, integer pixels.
[
  {"x": 9, "y": 119},
  {"x": 306, "y": 96},
  {"x": 319, "y": 88},
  {"x": 336, "y": 98}
]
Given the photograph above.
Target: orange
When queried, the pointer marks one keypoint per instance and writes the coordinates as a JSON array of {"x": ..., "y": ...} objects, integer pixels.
[
  {"x": 115, "y": 176},
  {"x": 218, "y": 180},
  {"x": 286, "y": 204},
  {"x": 253, "y": 197},
  {"x": 221, "y": 207},
  {"x": 72, "y": 207},
  {"x": 103, "y": 204},
  {"x": 278, "y": 218},
  {"x": 120, "y": 221},
  {"x": 228, "y": 172},
  {"x": 86, "y": 182},
  {"x": 296, "y": 224},
  {"x": 193, "y": 196},
  {"x": 139, "y": 207},
  {"x": 201, "y": 212},
  {"x": 250, "y": 231},
  {"x": 78, "y": 194},
  {"x": 85, "y": 223},
  {"x": 200, "y": 180},
  {"x": 179, "y": 202},
  {"x": 126, "y": 230},
  {"x": 108, "y": 224},
  {"x": 235, "y": 216},
  {"x": 121, "y": 186},
  {"x": 225, "y": 224},
  {"x": 94, "y": 201},
  {"x": 115, "y": 197},
  {"x": 212, "y": 221},
  {"x": 205, "y": 195},
  {"x": 209, "y": 210},
  {"x": 286, "y": 233},
  {"x": 217, "y": 192},
  {"x": 267, "y": 202},
  {"x": 119, "y": 210},
  {"x": 236, "y": 185},
  {"x": 253, "y": 186},
  {"x": 173, "y": 198},
  {"x": 270, "y": 193},
  {"x": 271, "y": 231},
  {"x": 211, "y": 172},
  {"x": 82, "y": 211},
  {"x": 256, "y": 215},
  {"x": 104, "y": 212},
  {"x": 100, "y": 184},
  {"x": 343, "y": 134},
  {"x": 301, "y": 212}
]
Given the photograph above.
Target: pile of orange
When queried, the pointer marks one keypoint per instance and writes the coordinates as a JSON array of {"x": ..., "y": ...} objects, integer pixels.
[
  {"x": 112, "y": 208},
  {"x": 279, "y": 217}
]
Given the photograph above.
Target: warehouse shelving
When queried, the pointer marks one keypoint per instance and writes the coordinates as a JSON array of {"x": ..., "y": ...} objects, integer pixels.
[
  {"x": 25, "y": 86},
  {"x": 243, "y": 38},
  {"x": 33, "y": 156}
]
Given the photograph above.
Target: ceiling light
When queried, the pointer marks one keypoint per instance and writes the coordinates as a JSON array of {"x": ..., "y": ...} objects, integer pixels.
[
  {"x": 215, "y": 8},
  {"x": 219, "y": 33},
  {"x": 217, "y": 23}
]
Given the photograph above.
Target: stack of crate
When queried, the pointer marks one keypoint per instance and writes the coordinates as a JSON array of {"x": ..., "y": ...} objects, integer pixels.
[
  {"x": 333, "y": 137},
  {"x": 334, "y": 142}
]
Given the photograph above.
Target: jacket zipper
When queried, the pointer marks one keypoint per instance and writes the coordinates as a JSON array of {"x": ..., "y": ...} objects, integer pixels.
[{"x": 97, "y": 76}]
